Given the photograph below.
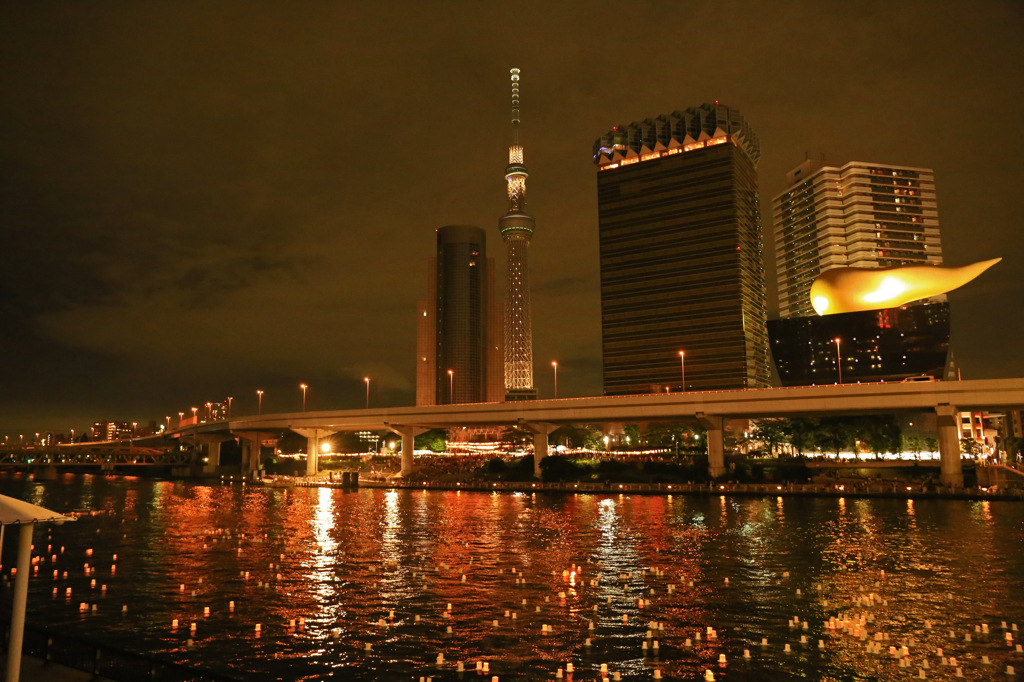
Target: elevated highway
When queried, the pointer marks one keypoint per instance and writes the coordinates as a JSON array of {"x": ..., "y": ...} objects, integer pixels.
[
  {"x": 90, "y": 455},
  {"x": 711, "y": 409}
]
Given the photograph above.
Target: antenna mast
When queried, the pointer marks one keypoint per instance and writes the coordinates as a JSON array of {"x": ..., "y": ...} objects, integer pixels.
[{"x": 515, "y": 106}]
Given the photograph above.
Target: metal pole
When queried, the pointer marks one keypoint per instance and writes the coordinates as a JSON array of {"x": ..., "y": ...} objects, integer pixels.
[
  {"x": 20, "y": 602},
  {"x": 839, "y": 361},
  {"x": 682, "y": 366}
]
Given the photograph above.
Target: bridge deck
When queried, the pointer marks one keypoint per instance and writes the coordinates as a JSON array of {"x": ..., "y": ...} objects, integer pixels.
[{"x": 874, "y": 398}]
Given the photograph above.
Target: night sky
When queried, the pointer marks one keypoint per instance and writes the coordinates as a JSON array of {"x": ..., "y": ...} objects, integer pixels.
[{"x": 203, "y": 199}]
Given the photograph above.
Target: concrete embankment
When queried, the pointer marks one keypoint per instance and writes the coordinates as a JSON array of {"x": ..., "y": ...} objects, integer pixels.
[{"x": 888, "y": 490}]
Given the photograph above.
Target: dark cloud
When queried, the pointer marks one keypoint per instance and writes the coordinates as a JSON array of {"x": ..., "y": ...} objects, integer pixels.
[{"x": 199, "y": 200}]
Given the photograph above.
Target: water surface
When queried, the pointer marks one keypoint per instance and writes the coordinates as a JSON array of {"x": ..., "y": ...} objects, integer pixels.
[{"x": 352, "y": 557}]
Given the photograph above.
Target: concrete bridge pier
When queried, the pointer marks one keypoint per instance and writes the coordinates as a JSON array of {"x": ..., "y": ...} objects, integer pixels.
[
  {"x": 540, "y": 431},
  {"x": 716, "y": 443},
  {"x": 313, "y": 439},
  {"x": 212, "y": 442},
  {"x": 951, "y": 472},
  {"x": 250, "y": 442},
  {"x": 408, "y": 434},
  {"x": 213, "y": 455}
]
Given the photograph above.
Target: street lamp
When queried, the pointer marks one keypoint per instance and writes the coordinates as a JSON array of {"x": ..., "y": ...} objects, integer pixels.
[
  {"x": 135, "y": 428},
  {"x": 367, "y": 380},
  {"x": 229, "y": 406},
  {"x": 682, "y": 367},
  {"x": 839, "y": 361},
  {"x": 181, "y": 416},
  {"x": 259, "y": 396},
  {"x": 168, "y": 423},
  {"x": 209, "y": 411},
  {"x": 195, "y": 415},
  {"x": 451, "y": 387},
  {"x": 554, "y": 363},
  {"x": 303, "y": 387}
]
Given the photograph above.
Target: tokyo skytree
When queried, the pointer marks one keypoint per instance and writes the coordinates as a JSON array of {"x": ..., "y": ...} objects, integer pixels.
[{"x": 516, "y": 230}]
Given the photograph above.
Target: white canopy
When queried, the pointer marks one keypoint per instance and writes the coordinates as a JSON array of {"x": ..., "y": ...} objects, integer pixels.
[{"x": 16, "y": 511}]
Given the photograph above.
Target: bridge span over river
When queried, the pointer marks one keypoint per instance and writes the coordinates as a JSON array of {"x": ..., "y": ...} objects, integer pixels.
[{"x": 711, "y": 409}]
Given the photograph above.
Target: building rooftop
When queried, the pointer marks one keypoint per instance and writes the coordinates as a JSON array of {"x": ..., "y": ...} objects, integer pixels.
[{"x": 680, "y": 129}]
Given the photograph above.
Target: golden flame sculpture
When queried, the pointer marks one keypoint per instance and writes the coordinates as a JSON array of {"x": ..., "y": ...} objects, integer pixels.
[{"x": 849, "y": 290}]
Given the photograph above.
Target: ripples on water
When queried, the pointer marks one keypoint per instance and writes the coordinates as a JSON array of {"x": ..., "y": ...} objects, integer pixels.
[{"x": 352, "y": 557}]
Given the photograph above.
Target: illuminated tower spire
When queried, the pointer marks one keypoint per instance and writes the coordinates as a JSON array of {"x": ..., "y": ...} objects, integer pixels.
[{"x": 516, "y": 230}]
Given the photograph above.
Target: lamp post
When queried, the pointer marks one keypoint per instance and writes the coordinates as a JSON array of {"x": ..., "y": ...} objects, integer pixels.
[
  {"x": 259, "y": 397},
  {"x": 181, "y": 416},
  {"x": 682, "y": 367},
  {"x": 209, "y": 412},
  {"x": 839, "y": 361},
  {"x": 229, "y": 406},
  {"x": 135, "y": 429},
  {"x": 554, "y": 363},
  {"x": 195, "y": 414},
  {"x": 303, "y": 387},
  {"x": 367, "y": 380},
  {"x": 451, "y": 387}
]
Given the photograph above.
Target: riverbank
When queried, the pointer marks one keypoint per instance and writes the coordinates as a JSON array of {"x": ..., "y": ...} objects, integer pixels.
[{"x": 888, "y": 491}]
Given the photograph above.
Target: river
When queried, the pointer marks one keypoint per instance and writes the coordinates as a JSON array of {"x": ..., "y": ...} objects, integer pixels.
[{"x": 344, "y": 560}]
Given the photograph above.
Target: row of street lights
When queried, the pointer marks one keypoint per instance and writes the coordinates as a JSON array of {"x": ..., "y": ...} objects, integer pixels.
[
  {"x": 451, "y": 389},
  {"x": 259, "y": 402},
  {"x": 554, "y": 365}
]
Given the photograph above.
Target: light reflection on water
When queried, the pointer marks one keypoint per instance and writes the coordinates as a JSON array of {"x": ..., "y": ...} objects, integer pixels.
[{"x": 353, "y": 557}]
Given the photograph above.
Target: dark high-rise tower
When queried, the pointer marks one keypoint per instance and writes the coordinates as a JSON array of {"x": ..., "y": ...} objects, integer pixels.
[
  {"x": 681, "y": 254},
  {"x": 458, "y": 335},
  {"x": 516, "y": 231}
]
